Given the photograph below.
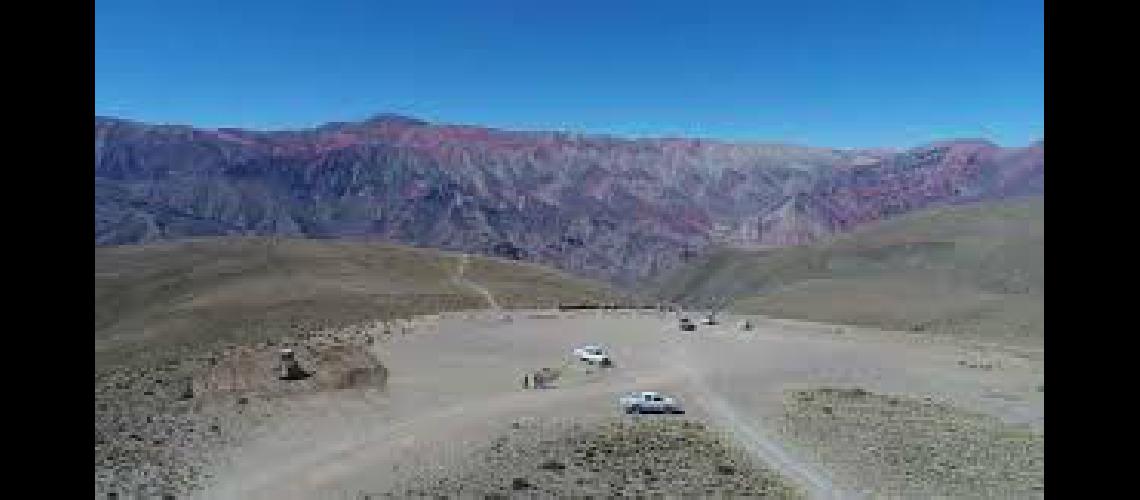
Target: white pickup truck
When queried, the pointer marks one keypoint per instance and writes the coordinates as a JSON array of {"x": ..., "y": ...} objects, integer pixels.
[
  {"x": 593, "y": 355},
  {"x": 649, "y": 402}
]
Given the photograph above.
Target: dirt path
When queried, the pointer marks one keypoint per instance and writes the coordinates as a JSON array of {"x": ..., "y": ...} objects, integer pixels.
[
  {"x": 752, "y": 436},
  {"x": 459, "y": 279},
  {"x": 455, "y": 385}
]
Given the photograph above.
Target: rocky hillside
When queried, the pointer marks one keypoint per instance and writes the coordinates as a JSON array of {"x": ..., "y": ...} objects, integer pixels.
[
  {"x": 156, "y": 299},
  {"x": 593, "y": 205},
  {"x": 971, "y": 270}
]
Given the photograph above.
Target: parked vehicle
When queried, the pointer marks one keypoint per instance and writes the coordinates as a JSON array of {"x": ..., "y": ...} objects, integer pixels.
[
  {"x": 593, "y": 355},
  {"x": 649, "y": 402}
]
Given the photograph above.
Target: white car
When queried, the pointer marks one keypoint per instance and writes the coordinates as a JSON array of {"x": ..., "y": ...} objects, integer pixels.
[
  {"x": 708, "y": 320},
  {"x": 593, "y": 355},
  {"x": 649, "y": 402}
]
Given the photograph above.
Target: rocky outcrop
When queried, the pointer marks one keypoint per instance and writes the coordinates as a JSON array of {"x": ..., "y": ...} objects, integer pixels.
[{"x": 598, "y": 206}]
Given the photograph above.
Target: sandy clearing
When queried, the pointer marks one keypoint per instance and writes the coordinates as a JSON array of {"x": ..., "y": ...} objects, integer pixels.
[{"x": 455, "y": 383}]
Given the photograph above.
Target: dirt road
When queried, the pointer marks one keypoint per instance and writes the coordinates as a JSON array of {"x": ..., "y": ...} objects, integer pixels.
[
  {"x": 456, "y": 383},
  {"x": 751, "y": 434},
  {"x": 460, "y": 279}
]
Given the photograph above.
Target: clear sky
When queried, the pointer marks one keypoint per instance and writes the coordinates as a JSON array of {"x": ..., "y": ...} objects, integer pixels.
[{"x": 825, "y": 73}]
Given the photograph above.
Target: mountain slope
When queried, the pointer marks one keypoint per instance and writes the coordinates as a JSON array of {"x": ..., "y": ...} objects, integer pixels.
[
  {"x": 598, "y": 206},
  {"x": 196, "y": 292},
  {"x": 977, "y": 269}
]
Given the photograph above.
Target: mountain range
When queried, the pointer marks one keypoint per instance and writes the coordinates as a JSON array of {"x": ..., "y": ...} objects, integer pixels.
[{"x": 624, "y": 210}]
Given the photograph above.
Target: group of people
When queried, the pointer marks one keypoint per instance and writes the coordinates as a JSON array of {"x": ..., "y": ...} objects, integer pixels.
[{"x": 537, "y": 380}]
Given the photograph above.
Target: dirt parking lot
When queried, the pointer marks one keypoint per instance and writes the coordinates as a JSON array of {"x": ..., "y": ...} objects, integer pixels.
[{"x": 456, "y": 380}]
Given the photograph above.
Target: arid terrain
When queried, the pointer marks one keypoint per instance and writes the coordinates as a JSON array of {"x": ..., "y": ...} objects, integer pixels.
[
  {"x": 192, "y": 295},
  {"x": 455, "y": 387},
  {"x": 970, "y": 271},
  {"x": 434, "y": 403},
  {"x": 603, "y": 207},
  {"x": 396, "y": 250}
]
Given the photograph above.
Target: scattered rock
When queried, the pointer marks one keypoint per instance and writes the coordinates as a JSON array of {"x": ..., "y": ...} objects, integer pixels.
[
  {"x": 915, "y": 447},
  {"x": 605, "y": 459},
  {"x": 552, "y": 465},
  {"x": 153, "y": 444}
]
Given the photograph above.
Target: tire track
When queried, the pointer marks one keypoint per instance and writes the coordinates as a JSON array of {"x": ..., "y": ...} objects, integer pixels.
[{"x": 754, "y": 439}]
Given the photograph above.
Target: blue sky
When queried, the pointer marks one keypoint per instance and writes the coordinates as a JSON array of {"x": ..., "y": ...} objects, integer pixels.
[{"x": 826, "y": 73}]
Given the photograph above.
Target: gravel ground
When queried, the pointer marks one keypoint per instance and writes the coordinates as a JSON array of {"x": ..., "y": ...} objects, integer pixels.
[
  {"x": 159, "y": 427},
  {"x": 620, "y": 457},
  {"x": 455, "y": 386},
  {"x": 916, "y": 447}
]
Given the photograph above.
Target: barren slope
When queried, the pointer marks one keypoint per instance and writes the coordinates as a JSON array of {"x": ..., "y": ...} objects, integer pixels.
[
  {"x": 196, "y": 292},
  {"x": 976, "y": 270}
]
